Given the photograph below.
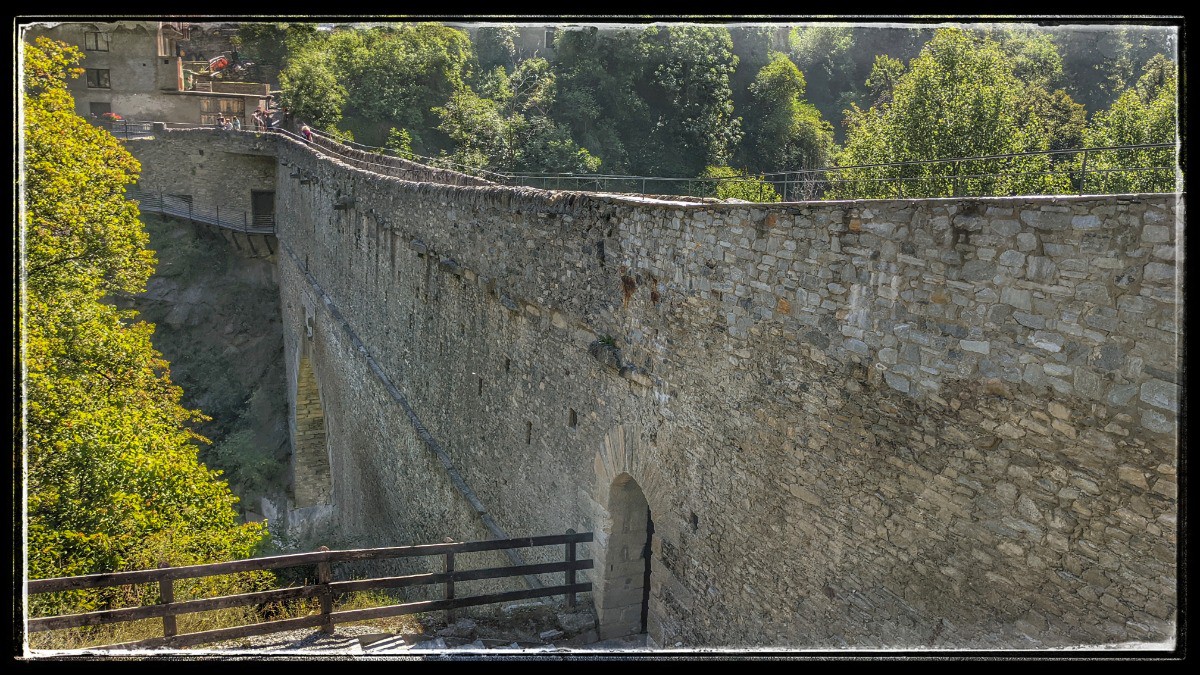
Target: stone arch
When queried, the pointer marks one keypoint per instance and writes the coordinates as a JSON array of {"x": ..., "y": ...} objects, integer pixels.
[
  {"x": 310, "y": 448},
  {"x": 625, "y": 580}
]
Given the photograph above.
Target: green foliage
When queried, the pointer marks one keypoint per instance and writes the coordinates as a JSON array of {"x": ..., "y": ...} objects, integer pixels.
[
  {"x": 1158, "y": 73},
  {"x": 497, "y": 46},
  {"x": 885, "y": 73},
  {"x": 113, "y": 477},
  {"x": 272, "y": 43},
  {"x": 511, "y": 130},
  {"x": 837, "y": 59},
  {"x": 343, "y": 135},
  {"x": 399, "y": 141},
  {"x": 1100, "y": 64},
  {"x": 689, "y": 100},
  {"x": 728, "y": 183},
  {"x": 959, "y": 98},
  {"x": 1063, "y": 120},
  {"x": 597, "y": 80},
  {"x": 396, "y": 75},
  {"x": 311, "y": 90},
  {"x": 826, "y": 54},
  {"x": 786, "y": 132},
  {"x": 1141, "y": 115},
  {"x": 1034, "y": 56}
]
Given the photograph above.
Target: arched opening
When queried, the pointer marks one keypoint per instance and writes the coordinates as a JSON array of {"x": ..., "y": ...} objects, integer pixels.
[
  {"x": 310, "y": 453},
  {"x": 624, "y": 601}
]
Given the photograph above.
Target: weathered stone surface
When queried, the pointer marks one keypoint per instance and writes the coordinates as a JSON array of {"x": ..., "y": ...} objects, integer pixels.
[{"x": 1160, "y": 394}]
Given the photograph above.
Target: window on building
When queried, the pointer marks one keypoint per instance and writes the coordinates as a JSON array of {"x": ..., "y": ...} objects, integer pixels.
[
  {"x": 225, "y": 106},
  {"x": 96, "y": 42},
  {"x": 550, "y": 38},
  {"x": 211, "y": 107},
  {"x": 97, "y": 78},
  {"x": 98, "y": 108}
]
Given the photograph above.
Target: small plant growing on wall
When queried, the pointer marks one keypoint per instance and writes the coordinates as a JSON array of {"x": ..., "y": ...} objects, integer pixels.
[{"x": 604, "y": 349}]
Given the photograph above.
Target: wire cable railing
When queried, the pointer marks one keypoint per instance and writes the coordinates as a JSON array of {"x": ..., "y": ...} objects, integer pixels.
[
  {"x": 1062, "y": 172},
  {"x": 436, "y": 162},
  {"x": 1151, "y": 167},
  {"x": 180, "y": 206}
]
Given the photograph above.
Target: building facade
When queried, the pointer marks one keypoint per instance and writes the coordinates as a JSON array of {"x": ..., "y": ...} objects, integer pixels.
[{"x": 136, "y": 69}]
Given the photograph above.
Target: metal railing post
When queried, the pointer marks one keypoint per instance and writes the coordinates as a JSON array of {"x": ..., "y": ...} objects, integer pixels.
[
  {"x": 571, "y": 570},
  {"x": 1083, "y": 172},
  {"x": 324, "y": 577},
  {"x": 166, "y": 594}
]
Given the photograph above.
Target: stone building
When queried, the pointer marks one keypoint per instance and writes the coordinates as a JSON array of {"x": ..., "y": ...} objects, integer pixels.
[{"x": 137, "y": 69}]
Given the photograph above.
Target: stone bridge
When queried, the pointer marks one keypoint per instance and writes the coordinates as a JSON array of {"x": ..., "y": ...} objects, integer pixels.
[{"x": 894, "y": 423}]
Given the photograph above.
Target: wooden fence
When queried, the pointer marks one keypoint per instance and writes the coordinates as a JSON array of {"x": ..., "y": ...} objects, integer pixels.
[{"x": 324, "y": 589}]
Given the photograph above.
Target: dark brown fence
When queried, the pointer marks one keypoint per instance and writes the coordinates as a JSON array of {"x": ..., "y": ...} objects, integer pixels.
[{"x": 325, "y": 588}]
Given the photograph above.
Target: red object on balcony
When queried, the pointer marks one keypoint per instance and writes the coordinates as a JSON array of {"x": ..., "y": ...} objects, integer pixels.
[{"x": 217, "y": 63}]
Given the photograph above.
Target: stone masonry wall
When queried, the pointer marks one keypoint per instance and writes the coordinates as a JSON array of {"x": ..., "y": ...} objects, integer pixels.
[
  {"x": 905, "y": 423},
  {"x": 219, "y": 169}
]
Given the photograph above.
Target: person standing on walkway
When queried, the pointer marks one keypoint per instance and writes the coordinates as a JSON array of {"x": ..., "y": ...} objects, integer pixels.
[
  {"x": 237, "y": 124},
  {"x": 306, "y": 132}
]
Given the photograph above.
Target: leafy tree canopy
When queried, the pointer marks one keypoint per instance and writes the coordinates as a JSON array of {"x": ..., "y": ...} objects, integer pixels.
[
  {"x": 113, "y": 476},
  {"x": 959, "y": 98},
  {"x": 786, "y": 132}
]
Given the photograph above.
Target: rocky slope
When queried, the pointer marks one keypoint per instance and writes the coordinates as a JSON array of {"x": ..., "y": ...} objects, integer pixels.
[{"x": 216, "y": 311}]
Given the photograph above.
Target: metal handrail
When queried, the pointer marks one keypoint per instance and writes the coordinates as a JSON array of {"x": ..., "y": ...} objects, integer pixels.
[
  {"x": 808, "y": 178},
  {"x": 800, "y": 183},
  {"x": 173, "y": 205}
]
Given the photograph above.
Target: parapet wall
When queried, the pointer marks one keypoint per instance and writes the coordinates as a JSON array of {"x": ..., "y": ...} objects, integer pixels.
[{"x": 909, "y": 423}]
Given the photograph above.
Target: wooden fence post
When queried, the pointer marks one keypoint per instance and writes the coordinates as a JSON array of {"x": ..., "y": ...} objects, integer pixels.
[
  {"x": 448, "y": 567},
  {"x": 166, "y": 595},
  {"x": 570, "y": 570},
  {"x": 324, "y": 576}
]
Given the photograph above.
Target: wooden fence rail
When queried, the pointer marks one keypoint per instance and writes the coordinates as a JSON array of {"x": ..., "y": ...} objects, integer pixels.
[{"x": 325, "y": 589}]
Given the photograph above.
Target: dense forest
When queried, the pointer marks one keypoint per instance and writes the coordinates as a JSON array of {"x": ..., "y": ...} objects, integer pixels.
[{"x": 690, "y": 100}]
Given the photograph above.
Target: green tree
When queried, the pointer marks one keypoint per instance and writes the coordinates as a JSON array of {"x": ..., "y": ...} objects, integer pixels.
[
  {"x": 598, "y": 76},
  {"x": 511, "y": 131},
  {"x": 113, "y": 478},
  {"x": 959, "y": 98},
  {"x": 399, "y": 141},
  {"x": 1143, "y": 114},
  {"x": 497, "y": 46},
  {"x": 728, "y": 183},
  {"x": 1099, "y": 65},
  {"x": 785, "y": 132},
  {"x": 689, "y": 99},
  {"x": 836, "y": 60},
  {"x": 395, "y": 76},
  {"x": 311, "y": 90},
  {"x": 885, "y": 73}
]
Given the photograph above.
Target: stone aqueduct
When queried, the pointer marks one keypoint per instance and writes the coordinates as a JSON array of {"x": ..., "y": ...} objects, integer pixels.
[{"x": 893, "y": 423}]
